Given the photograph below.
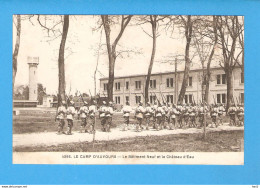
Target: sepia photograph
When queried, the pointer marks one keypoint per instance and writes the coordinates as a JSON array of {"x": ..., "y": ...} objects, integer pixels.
[{"x": 128, "y": 89}]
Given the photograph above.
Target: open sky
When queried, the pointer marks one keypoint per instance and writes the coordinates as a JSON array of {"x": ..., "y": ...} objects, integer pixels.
[{"x": 82, "y": 41}]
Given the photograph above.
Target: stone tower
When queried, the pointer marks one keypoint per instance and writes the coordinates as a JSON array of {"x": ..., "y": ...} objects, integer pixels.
[{"x": 33, "y": 63}]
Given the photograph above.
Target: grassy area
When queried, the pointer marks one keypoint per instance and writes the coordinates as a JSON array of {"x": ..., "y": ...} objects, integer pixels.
[
  {"x": 37, "y": 121},
  {"x": 223, "y": 141}
]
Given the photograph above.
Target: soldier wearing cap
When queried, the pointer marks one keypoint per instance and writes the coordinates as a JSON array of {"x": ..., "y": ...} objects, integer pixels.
[
  {"x": 164, "y": 114},
  {"x": 214, "y": 115},
  {"x": 126, "y": 114},
  {"x": 186, "y": 114},
  {"x": 159, "y": 112},
  {"x": 240, "y": 114},
  {"x": 109, "y": 113},
  {"x": 139, "y": 114},
  {"x": 61, "y": 117},
  {"x": 172, "y": 117},
  {"x": 232, "y": 114},
  {"x": 192, "y": 115},
  {"x": 83, "y": 112},
  {"x": 179, "y": 115},
  {"x": 92, "y": 114},
  {"x": 154, "y": 108},
  {"x": 201, "y": 111},
  {"x": 221, "y": 110},
  {"x": 148, "y": 114},
  {"x": 102, "y": 115},
  {"x": 70, "y": 114}
]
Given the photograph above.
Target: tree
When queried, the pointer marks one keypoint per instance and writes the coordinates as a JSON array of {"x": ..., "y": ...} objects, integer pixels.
[
  {"x": 205, "y": 41},
  {"x": 41, "y": 93},
  {"x": 229, "y": 30},
  {"x": 107, "y": 22},
  {"x": 17, "y": 46},
  {"x": 187, "y": 23},
  {"x": 154, "y": 21},
  {"x": 52, "y": 28}
]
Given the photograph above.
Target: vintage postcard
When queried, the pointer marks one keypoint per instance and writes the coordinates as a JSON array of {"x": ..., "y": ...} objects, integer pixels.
[{"x": 128, "y": 89}]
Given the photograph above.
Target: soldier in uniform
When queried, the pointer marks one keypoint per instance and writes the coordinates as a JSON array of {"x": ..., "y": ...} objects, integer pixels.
[
  {"x": 186, "y": 114},
  {"x": 61, "y": 117},
  {"x": 232, "y": 115},
  {"x": 109, "y": 113},
  {"x": 159, "y": 112},
  {"x": 214, "y": 115},
  {"x": 240, "y": 115},
  {"x": 164, "y": 109},
  {"x": 102, "y": 116},
  {"x": 179, "y": 115},
  {"x": 126, "y": 114},
  {"x": 221, "y": 110},
  {"x": 83, "y": 111},
  {"x": 192, "y": 116},
  {"x": 70, "y": 114},
  {"x": 92, "y": 113},
  {"x": 148, "y": 113},
  {"x": 154, "y": 108},
  {"x": 201, "y": 112},
  {"x": 139, "y": 114},
  {"x": 172, "y": 116}
]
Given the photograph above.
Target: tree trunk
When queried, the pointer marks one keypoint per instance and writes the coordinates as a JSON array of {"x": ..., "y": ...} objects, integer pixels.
[
  {"x": 229, "y": 76},
  {"x": 111, "y": 78},
  {"x": 188, "y": 33},
  {"x": 16, "y": 49},
  {"x": 62, "y": 82},
  {"x": 147, "y": 82}
]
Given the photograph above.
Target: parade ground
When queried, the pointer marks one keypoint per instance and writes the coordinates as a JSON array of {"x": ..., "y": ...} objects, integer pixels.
[{"x": 35, "y": 130}]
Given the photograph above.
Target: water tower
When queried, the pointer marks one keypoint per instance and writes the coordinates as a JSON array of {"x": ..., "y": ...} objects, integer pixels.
[{"x": 33, "y": 92}]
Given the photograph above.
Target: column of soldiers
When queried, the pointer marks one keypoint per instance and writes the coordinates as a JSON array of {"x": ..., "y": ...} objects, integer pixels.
[
  {"x": 170, "y": 116},
  {"x": 156, "y": 116}
]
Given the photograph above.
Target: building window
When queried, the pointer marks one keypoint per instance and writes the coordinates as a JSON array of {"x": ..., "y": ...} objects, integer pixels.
[
  {"x": 242, "y": 98},
  {"x": 169, "y": 82},
  {"x": 221, "y": 98},
  {"x": 188, "y": 98},
  {"x": 242, "y": 78},
  {"x": 117, "y": 85},
  {"x": 127, "y": 85},
  {"x": 152, "y": 99},
  {"x": 221, "y": 79},
  {"x": 137, "y": 99},
  {"x": 137, "y": 84},
  {"x": 117, "y": 99},
  {"x": 190, "y": 81},
  {"x": 152, "y": 83},
  {"x": 169, "y": 98},
  {"x": 105, "y": 86},
  {"x": 127, "y": 98}
]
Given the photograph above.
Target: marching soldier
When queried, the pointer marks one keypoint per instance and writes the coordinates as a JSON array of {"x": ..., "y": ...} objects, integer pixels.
[
  {"x": 139, "y": 116},
  {"x": 83, "y": 111},
  {"x": 240, "y": 115},
  {"x": 154, "y": 108},
  {"x": 186, "y": 114},
  {"x": 192, "y": 116},
  {"x": 221, "y": 110},
  {"x": 164, "y": 114},
  {"x": 172, "y": 116},
  {"x": 179, "y": 115},
  {"x": 214, "y": 115},
  {"x": 126, "y": 114},
  {"x": 109, "y": 113},
  {"x": 148, "y": 114},
  {"x": 92, "y": 113},
  {"x": 232, "y": 115},
  {"x": 202, "y": 110},
  {"x": 102, "y": 115},
  {"x": 70, "y": 114},
  {"x": 61, "y": 117},
  {"x": 159, "y": 112}
]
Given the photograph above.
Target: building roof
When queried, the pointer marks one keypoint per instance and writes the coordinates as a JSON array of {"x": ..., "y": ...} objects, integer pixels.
[{"x": 158, "y": 73}]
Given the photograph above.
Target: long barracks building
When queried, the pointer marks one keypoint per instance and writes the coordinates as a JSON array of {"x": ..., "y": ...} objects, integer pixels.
[{"x": 131, "y": 88}]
